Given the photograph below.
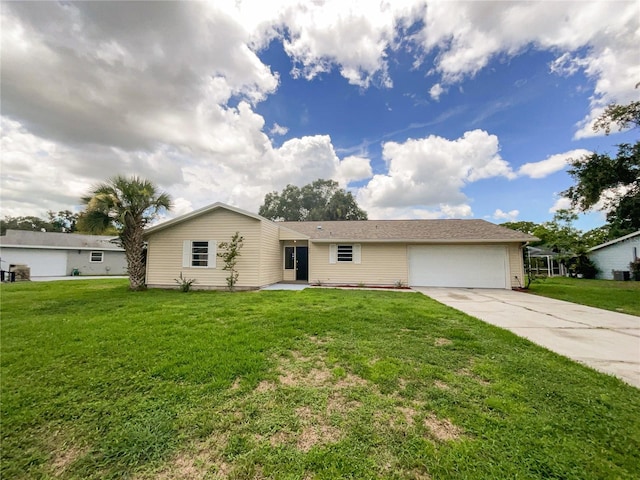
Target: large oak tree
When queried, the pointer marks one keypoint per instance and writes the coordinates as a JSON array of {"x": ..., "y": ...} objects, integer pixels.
[{"x": 320, "y": 200}]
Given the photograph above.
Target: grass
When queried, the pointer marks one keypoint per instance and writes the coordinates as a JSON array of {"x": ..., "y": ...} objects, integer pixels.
[
  {"x": 98, "y": 382},
  {"x": 621, "y": 297}
]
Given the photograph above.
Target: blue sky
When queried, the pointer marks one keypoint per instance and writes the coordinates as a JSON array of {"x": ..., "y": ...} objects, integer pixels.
[
  {"x": 533, "y": 111},
  {"x": 421, "y": 109}
]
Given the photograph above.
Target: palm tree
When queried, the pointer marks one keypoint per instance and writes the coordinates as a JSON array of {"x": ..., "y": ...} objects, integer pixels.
[{"x": 128, "y": 204}]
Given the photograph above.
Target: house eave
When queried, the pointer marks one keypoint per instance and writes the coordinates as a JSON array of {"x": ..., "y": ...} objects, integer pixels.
[
  {"x": 613, "y": 242},
  {"x": 469, "y": 241},
  {"x": 49, "y": 247}
]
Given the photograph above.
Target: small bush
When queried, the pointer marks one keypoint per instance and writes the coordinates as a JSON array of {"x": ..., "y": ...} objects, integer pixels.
[
  {"x": 634, "y": 267},
  {"x": 230, "y": 253},
  {"x": 185, "y": 283},
  {"x": 582, "y": 265}
]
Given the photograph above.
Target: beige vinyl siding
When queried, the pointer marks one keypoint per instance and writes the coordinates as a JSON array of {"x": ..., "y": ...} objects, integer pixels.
[
  {"x": 164, "y": 262},
  {"x": 385, "y": 264},
  {"x": 381, "y": 264},
  {"x": 271, "y": 254},
  {"x": 516, "y": 266}
]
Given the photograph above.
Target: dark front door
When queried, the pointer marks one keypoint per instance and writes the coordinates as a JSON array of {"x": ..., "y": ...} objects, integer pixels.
[{"x": 302, "y": 263}]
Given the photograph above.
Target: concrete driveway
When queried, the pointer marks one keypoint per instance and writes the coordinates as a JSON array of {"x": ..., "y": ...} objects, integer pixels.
[{"x": 607, "y": 341}]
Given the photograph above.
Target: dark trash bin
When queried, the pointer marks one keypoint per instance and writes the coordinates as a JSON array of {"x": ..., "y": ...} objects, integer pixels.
[{"x": 7, "y": 275}]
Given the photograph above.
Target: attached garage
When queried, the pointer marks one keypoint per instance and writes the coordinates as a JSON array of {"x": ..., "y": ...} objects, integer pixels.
[
  {"x": 43, "y": 263},
  {"x": 56, "y": 254},
  {"x": 466, "y": 266}
]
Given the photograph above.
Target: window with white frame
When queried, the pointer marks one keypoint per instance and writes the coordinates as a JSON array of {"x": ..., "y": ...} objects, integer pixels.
[
  {"x": 344, "y": 253},
  {"x": 199, "y": 254},
  {"x": 96, "y": 257}
]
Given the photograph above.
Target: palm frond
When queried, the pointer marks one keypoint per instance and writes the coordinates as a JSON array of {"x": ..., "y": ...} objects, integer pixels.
[{"x": 96, "y": 222}]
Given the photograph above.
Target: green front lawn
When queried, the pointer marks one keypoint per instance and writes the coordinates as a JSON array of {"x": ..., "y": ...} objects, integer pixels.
[
  {"x": 621, "y": 297},
  {"x": 98, "y": 382}
]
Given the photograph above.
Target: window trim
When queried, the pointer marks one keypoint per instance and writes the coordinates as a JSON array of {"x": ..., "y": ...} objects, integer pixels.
[
  {"x": 188, "y": 254},
  {"x": 91, "y": 260},
  {"x": 356, "y": 253}
]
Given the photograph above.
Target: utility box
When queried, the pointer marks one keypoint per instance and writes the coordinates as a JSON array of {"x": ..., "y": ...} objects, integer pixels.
[
  {"x": 21, "y": 272},
  {"x": 621, "y": 275}
]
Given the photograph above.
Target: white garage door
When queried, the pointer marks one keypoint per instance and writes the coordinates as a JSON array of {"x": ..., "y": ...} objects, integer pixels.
[
  {"x": 43, "y": 263},
  {"x": 470, "y": 266}
]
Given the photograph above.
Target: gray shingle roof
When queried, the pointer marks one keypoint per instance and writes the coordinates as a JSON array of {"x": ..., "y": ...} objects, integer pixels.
[
  {"x": 449, "y": 230},
  {"x": 60, "y": 240}
]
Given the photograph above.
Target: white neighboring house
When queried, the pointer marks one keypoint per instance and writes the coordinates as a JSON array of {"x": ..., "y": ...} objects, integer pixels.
[
  {"x": 615, "y": 255},
  {"x": 53, "y": 254}
]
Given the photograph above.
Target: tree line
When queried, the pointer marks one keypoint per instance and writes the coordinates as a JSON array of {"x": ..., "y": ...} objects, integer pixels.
[{"x": 63, "y": 221}]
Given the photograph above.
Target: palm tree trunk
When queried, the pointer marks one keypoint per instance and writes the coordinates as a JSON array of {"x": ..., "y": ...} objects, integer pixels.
[{"x": 133, "y": 244}]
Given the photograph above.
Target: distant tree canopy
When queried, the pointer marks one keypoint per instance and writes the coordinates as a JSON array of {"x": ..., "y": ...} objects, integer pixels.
[
  {"x": 320, "y": 200},
  {"x": 557, "y": 235},
  {"x": 62, "y": 221},
  {"x": 615, "y": 182},
  {"x": 560, "y": 235}
]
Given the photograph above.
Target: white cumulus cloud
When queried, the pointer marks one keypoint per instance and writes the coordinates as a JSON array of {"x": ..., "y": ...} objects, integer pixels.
[
  {"x": 561, "y": 203},
  {"x": 90, "y": 89},
  {"x": 278, "y": 130},
  {"x": 509, "y": 216},
  {"x": 353, "y": 36},
  {"x": 436, "y": 91},
  {"x": 432, "y": 171},
  {"x": 352, "y": 169},
  {"x": 598, "y": 38},
  {"x": 551, "y": 164}
]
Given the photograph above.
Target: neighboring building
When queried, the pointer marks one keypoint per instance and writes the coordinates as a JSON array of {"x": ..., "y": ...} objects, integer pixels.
[
  {"x": 445, "y": 253},
  {"x": 52, "y": 254},
  {"x": 615, "y": 255}
]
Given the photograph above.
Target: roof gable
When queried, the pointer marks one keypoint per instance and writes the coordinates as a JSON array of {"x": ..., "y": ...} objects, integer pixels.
[{"x": 199, "y": 213}]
